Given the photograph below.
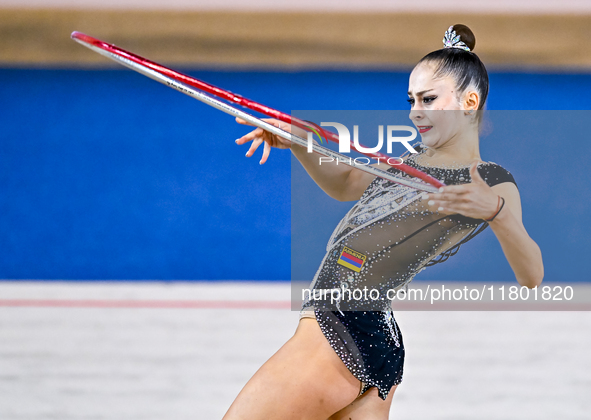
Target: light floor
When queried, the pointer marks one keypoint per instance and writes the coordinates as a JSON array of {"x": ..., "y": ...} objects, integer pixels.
[{"x": 97, "y": 362}]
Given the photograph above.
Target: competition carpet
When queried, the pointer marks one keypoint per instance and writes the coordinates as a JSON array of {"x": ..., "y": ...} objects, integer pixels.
[{"x": 182, "y": 362}]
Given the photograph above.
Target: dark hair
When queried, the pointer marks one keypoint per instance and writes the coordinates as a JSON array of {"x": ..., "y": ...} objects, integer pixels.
[{"x": 464, "y": 66}]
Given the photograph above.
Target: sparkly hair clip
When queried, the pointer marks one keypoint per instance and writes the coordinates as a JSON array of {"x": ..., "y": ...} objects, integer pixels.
[{"x": 451, "y": 40}]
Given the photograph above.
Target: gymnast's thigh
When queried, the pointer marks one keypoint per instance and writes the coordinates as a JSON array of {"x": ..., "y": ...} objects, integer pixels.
[{"x": 304, "y": 379}]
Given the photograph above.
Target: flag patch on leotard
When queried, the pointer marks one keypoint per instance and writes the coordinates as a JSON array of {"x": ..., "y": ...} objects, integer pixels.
[{"x": 352, "y": 259}]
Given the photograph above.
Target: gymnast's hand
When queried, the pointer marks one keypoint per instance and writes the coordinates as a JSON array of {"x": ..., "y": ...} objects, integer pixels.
[
  {"x": 260, "y": 136},
  {"x": 475, "y": 199}
]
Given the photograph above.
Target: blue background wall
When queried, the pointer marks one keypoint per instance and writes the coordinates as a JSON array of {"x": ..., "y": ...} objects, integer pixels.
[{"x": 109, "y": 175}]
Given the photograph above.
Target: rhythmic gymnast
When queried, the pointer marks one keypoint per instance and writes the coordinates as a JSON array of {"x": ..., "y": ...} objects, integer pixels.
[{"x": 345, "y": 362}]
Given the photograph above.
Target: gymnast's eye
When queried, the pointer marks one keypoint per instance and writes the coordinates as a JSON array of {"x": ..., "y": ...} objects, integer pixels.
[
  {"x": 428, "y": 99},
  {"x": 410, "y": 101}
]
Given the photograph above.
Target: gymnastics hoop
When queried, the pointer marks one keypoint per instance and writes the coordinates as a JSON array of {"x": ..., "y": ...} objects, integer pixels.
[{"x": 180, "y": 83}]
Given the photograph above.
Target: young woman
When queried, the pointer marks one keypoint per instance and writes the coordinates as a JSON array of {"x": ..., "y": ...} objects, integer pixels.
[{"x": 345, "y": 362}]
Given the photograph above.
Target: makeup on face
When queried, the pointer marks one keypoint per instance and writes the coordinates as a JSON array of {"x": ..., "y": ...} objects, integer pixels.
[{"x": 435, "y": 106}]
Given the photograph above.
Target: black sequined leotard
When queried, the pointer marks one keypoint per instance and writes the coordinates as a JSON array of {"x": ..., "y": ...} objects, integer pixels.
[{"x": 388, "y": 236}]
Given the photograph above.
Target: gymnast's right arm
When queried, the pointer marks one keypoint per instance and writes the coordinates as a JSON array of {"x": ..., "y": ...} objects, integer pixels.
[{"x": 339, "y": 181}]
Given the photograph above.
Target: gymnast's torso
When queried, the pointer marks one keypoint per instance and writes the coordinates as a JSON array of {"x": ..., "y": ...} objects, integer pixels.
[{"x": 389, "y": 236}]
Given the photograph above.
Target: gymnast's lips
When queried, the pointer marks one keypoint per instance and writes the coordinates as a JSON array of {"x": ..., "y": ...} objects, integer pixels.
[{"x": 424, "y": 128}]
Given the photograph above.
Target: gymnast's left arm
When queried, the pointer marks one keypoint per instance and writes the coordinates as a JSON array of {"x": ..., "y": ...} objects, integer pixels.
[{"x": 478, "y": 200}]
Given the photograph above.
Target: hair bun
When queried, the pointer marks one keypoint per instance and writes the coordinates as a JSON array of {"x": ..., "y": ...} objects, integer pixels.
[{"x": 466, "y": 35}]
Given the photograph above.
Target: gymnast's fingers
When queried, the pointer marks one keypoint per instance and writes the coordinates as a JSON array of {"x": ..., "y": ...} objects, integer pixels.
[
  {"x": 445, "y": 197},
  {"x": 254, "y": 146},
  {"x": 266, "y": 151},
  {"x": 463, "y": 207},
  {"x": 438, "y": 204},
  {"x": 250, "y": 136},
  {"x": 451, "y": 207},
  {"x": 451, "y": 192}
]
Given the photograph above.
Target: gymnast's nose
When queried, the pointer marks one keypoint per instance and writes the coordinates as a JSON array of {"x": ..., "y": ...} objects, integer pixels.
[{"x": 416, "y": 114}]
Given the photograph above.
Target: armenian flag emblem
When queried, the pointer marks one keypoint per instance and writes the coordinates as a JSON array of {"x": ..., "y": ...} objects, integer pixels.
[{"x": 352, "y": 259}]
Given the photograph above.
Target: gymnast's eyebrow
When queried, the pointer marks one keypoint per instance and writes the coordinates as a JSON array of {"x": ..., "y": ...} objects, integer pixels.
[{"x": 419, "y": 93}]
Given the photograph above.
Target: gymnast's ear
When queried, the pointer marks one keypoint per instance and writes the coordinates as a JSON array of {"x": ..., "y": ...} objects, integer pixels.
[{"x": 471, "y": 100}]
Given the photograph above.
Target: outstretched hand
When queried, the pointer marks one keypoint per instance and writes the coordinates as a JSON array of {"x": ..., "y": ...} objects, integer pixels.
[
  {"x": 260, "y": 136},
  {"x": 475, "y": 199}
]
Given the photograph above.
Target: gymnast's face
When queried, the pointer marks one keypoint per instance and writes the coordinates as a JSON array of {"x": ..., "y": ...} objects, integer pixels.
[{"x": 437, "y": 110}]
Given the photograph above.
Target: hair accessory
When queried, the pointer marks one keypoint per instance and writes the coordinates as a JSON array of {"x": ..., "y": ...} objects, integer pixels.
[{"x": 451, "y": 40}]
